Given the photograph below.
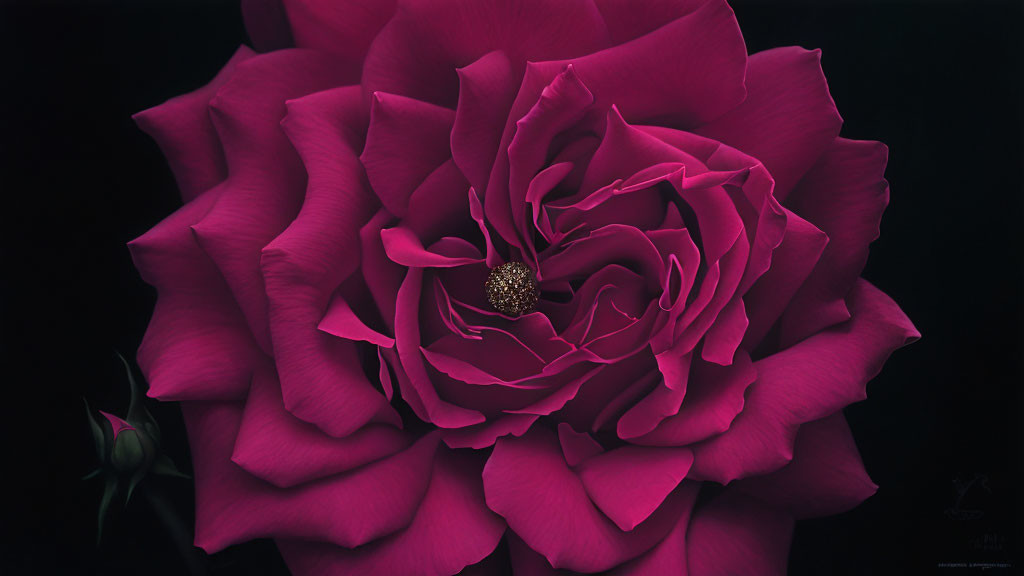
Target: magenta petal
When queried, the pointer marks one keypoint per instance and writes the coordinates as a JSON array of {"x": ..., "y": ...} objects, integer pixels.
[
  {"x": 417, "y": 387},
  {"x": 844, "y": 194},
  {"x": 342, "y": 322},
  {"x": 344, "y": 28},
  {"x": 792, "y": 262},
  {"x": 528, "y": 482},
  {"x": 815, "y": 378},
  {"x": 198, "y": 345},
  {"x": 183, "y": 130},
  {"x": 669, "y": 556},
  {"x": 487, "y": 88},
  {"x": 117, "y": 424},
  {"x": 452, "y": 529},
  {"x": 266, "y": 181},
  {"x": 628, "y": 484},
  {"x": 734, "y": 534},
  {"x": 561, "y": 105},
  {"x": 382, "y": 276},
  {"x": 826, "y": 475},
  {"x": 788, "y": 118},
  {"x": 625, "y": 22},
  {"x": 418, "y": 52},
  {"x": 713, "y": 399},
  {"x": 653, "y": 76},
  {"x": 347, "y": 510},
  {"x": 403, "y": 247},
  {"x": 576, "y": 446},
  {"x": 484, "y": 435},
  {"x": 285, "y": 451},
  {"x": 406, "y": 141},
  {"x": 321, "y": 378}
]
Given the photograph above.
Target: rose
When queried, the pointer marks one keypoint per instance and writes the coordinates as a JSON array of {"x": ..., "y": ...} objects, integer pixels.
[{"x": 690, "y": 220}]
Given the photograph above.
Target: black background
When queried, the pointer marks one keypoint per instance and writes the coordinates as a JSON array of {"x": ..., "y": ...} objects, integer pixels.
[{"x": 939, "y": 82}]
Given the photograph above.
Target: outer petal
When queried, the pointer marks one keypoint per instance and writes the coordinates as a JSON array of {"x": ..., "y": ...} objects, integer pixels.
[
  {"x": 844, "y": 194},
  {"x": 682, "y": 74},
  {"x": 321, "y": 377},
  {"x": 198, "y": 345},
  {"x": 451, "y": 530},
  {"x": 266, "y": 179},
  {"x": 825, "y": 477},
  {"x": 811, "y": 380},
  {"x": 527, "y": 481},
  {"x": 184, "y": 131},
  {"x": 733, "y": 535},
  {"x": 628, "y": 484},
  {"x": 419, "y": 50},
  {"x": 344, "y": 28},
  {"x": 348, "y": 510},
  {"x": 788, "y": 118},
  {"x": 285, "y": 451}
]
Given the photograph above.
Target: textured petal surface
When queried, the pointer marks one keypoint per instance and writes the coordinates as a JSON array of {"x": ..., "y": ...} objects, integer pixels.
[{"x": 452, "y": 528}]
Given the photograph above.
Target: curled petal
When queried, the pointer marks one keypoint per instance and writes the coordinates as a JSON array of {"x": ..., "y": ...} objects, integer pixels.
[
  {"x": 808, "y": 381},
  {"x": 348, "y": 510},
  {"x": 826, "y": 475},
  {"x": 452, "y": 528},
  {"x": 734, "y": 534},
  {"x": 528, "y": 482}
]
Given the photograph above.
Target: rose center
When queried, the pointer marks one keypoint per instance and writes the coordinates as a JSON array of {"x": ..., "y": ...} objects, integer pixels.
[{"x": 512, "y": 288}]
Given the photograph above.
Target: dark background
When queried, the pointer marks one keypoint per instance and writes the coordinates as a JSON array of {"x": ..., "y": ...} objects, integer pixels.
[{"x": 939, "y": 82}]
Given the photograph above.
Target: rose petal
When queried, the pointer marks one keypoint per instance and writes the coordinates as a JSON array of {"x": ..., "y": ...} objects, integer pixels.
[
  {"x": 277, "y": 447},
  {"x": 487, "y": 88},
  {"x": 628, "y": 484},
  {"x": 788, "y": 118},
  {"x": 267, "y": 25},
  {"x": 344, "y": 28},
  {"x": 185, "y": 133},
  {"x": 322, "y": 379},
  {"x": 266, "y": 180},
  {"x": 713, "y": 399},
  {"x": 452, "y": 529},
  {"x": 844, "y": 194},
  {"x": 198, "y": 345},
  {"x": 733, "y": 534},
  {"x": 811, "y": 380},
  {"x": 406, "y": 141},
  {"x": 347, "y": 510},
  {"x": 826, "y": 475},
  {"x": 528, "y": 482},
  {"x": 419, "y": 50}
]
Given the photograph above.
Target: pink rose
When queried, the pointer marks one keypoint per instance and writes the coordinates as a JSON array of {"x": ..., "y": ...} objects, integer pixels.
[{"x": 679, "y": 309}]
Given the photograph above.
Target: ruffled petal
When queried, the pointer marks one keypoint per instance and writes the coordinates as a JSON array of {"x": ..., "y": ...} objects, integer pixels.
[
  {"x": 528, "y": 482},
  {"x": 266, "y": 181},
  {"x": 277, "y": 447},
  {"x": 452, "y": 529},
  {"x": 826, "y": 475},
  {"x": 343, "y": 28},
  {"x": 844, "y": 194},
  {"x": 734, "y": 534},
  {"x": 197, "y": 345},
  {"x": 788, "y": 118},
  {"x": 487, "y": 88},
  {"x": 811, "y": 380},
  {"x": 628, "y": 484},
  {"x": 406, "y": 141},
  {"x": 185, "y": 133},
  {"x": 321, "y": 377},
  {"x": 347, "y": 510},
  {"x": 419, "y": 50}
]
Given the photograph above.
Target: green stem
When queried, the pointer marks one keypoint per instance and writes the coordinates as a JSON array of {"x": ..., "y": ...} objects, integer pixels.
[{"x": 194, "y": 559}]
